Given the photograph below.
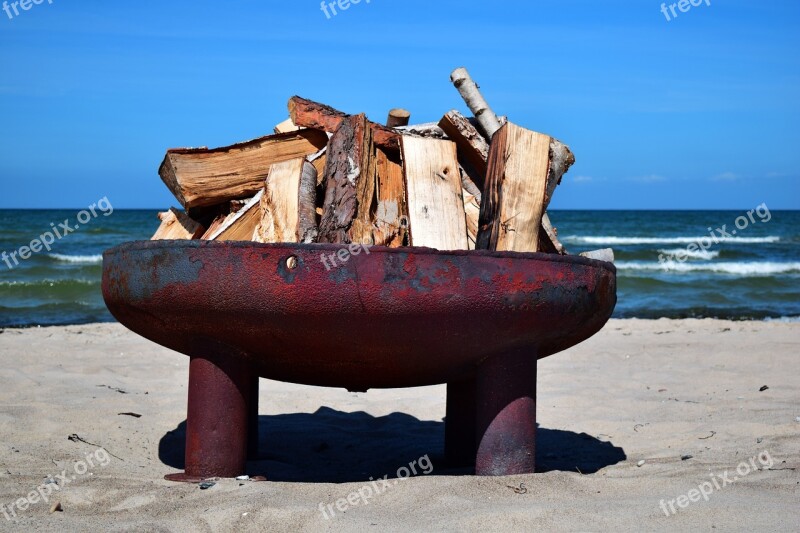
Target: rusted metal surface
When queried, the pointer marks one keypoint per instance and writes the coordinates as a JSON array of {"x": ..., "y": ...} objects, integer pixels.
[{"x": 377, "y": 319}]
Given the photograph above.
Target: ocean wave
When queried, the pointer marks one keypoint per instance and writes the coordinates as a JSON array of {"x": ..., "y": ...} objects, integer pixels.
[
  {"x": 87, "y": 259},
  {"x": 581, "y": 239},
  {"x": 49, "y": 283},
  {"x": 690, "y": 254},
  {"x": 735, "y": 268}
]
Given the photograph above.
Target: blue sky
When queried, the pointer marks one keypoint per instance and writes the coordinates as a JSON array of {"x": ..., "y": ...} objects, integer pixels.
[{"x": 701, "y": 111}]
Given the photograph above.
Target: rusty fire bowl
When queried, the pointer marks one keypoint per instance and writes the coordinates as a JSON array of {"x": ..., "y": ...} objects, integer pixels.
[{"x": 358, "y": 318}]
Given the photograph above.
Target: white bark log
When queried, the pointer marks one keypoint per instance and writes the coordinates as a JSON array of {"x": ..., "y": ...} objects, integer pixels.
[{"x": 471, "y": 94}]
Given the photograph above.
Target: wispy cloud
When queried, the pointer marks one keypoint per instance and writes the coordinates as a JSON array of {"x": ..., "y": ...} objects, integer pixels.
[
  {"x": 586, "y": 179},
  {"x": 650, "y": 178},
  {"x": 725, "y": 176}
]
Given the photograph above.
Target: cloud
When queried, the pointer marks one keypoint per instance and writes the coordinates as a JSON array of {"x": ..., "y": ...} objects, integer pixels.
[
  {"x": 725, "y": 176},
  {"x": 584, "y": 179},
  {"x": 651, "y": 178}
]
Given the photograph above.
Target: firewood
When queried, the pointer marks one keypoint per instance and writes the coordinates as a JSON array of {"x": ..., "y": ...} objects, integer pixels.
[
  {"x": 548, "y": 238},
  {"x": 398, "y": 117},
  {"x": 561, "y": 159},
  {"x": 437, "y": 217},
  {"x": 472, "y": 209},
  {"x": 176, "y": 225},
  {"x": 288, "y": 210},
  {"x": 487, "y": 120},
  {"x": 472, "y": 147},
  {"x": 350, "y": 175},
  {"x": 322, "y": 117},
  {"x": 516, "y": 183},
  {"x": 391, "y": 216},
  {"x": 201, "y": 177},
  {"x": 240, "y": 226},
  {"x": 287, "y": 126}
]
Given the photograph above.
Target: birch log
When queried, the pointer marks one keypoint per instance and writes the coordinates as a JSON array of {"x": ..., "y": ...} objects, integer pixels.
[{"x": 471, "y": 94}]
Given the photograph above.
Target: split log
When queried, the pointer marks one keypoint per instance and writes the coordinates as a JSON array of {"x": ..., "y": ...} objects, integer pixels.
[
  {"x": 516, "y": 184},
  {"x": 287, "y": 126},
  {"x": 429, "y": 129},
  {"x": 473, "y": 150},
  {"x": 548, "y": 238},
  {"x": 288, "y": 205},
  {"x": 472, "y": 211},
  {"x": 215, "y": 226},
  {"x": 436, "y": 212},
  {"x": 487, "y": 119},
  {"x": 398, "y": 117},
  {"x": 561, "y": 159},
  {"x": 322, "y": 117},
  {"x": 177, "y": 225},
  {"x": 202, "y": 177},
  {"x": 240, "y": 226},
  {"x": 391, "y": 215},
  {"x": 350, "y": 173}
]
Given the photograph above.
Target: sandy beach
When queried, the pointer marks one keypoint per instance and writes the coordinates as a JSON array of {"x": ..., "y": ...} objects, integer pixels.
[{"x": 646, "y": 418}]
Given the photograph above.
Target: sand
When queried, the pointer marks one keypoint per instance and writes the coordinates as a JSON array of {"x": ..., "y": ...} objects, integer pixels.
[{"x": 644, "y": 412}]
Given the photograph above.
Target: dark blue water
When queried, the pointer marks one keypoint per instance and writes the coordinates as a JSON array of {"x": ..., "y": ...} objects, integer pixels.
[{"x": 753, "y": 274}]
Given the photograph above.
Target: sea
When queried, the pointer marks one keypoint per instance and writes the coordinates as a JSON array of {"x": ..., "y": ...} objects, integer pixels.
[{"x": 740, "y": 265}]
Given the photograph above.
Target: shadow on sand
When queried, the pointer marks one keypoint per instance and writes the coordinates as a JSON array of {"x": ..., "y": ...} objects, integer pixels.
[{"x": 331, "y": 446}]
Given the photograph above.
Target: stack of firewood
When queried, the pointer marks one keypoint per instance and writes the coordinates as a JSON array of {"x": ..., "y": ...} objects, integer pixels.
[{"x": 328, "y": 177}]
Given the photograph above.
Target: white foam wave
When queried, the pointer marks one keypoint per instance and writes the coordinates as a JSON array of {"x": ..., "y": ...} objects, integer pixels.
[
  {"x": 87, "y": 259},
  {"x": 734, "y": 268},
  {"x": 584, "y": 239},
  {"x": 706, "y": 255}
]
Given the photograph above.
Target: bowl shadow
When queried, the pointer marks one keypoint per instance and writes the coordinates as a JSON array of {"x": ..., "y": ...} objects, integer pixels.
[{"x": 331, "y": 446}]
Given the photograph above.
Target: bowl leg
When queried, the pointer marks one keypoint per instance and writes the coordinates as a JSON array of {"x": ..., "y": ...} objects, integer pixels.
[
  {"x": 252, "y": 420},
  {"x": 506, "y": 414},
  {"x": 220, "y": 396},
  {"x": 459, "y": 423}
]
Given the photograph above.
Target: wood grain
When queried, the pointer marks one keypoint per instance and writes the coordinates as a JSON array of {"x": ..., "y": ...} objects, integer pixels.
[
  {"x": 513, "y": 199},
  {"x": 201, "y": 177},
  {"x": 434, "y": 195}
]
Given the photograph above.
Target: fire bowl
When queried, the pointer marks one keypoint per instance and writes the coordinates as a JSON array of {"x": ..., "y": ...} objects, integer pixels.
[{"x": 358, "y": 317}]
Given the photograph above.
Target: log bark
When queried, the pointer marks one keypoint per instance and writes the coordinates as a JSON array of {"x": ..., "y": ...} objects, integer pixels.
[
  {"x": 202, "y": 177},
  {"x": 288, "y": 205},
  {"x": 487, "y": 119},
  {"x": 436, "y": 212},
  {"x": 513, "y": 200},
  {"x": 561, "y": 159},
  {"x": 318, "y": 116},
  {"x": 350, "y": 173},
  {"x": 398, "y": 117},
  {"x": 548, "y": 238},
  {"x": 177, "y": 225},
  {"x": 473, "y": 150}
]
